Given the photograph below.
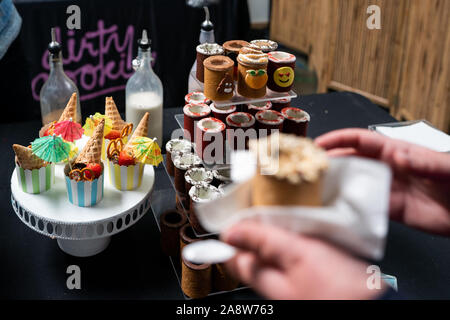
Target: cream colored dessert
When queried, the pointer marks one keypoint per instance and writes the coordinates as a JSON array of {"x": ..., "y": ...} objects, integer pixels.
[{"x": 290, "y": 171}]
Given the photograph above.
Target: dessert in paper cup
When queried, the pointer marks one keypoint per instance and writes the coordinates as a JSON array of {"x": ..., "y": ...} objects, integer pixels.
[
  {"x": 125, "y": 173},
  {"x": 85, "y": 175},
  {"x": 33, "y": 174}
]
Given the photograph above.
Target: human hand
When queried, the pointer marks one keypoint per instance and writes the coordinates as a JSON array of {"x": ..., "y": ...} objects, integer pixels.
[
  {"x": 280, "y": 264},
  {"x": 420, "y": 192}
]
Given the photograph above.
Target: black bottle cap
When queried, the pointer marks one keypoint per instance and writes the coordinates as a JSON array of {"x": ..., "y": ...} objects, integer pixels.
[
  {"x": 144, "y": 42},
  {"x": 207, "y": 25},
  {"x": 54, "y": 47}
]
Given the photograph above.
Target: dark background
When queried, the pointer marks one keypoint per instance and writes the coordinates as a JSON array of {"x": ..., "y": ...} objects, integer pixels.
[{"x": 173, "y": 27}]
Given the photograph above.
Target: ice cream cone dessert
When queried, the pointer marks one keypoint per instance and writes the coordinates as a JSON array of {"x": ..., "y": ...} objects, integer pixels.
[
  {"x": 125, "y": 172},
  {"x": 290, "y": 171},
  {"x": 118, "y": 124},
  {"x": 69, "y": 112},
  {"x": 84, "y": 176},
  {"x": 34, "y": 175}
]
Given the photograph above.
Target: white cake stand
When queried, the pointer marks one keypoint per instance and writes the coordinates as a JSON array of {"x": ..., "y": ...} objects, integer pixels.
[{"x": 82, "y": 232}]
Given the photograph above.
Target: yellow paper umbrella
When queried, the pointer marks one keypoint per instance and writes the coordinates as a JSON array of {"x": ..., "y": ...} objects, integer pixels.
[
  {"x": 92, "y": 122},
  {"x": 146, "y": 151}
]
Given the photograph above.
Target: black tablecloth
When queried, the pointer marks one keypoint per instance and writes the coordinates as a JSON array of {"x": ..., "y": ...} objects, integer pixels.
[{"x": 133, "y": 266}]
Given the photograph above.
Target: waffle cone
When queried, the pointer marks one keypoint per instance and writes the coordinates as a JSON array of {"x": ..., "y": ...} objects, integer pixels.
[
  {"x": 112, "y": 113},
  {"x": 26, "y": 158},
  {"x": 141, "y": 131},
  {"x": 92, "y": 151},
  {"x": 70, "y": 111}
]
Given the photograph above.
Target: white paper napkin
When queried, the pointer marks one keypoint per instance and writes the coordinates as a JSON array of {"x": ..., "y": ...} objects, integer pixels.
[{"x": 355, "y": 216}]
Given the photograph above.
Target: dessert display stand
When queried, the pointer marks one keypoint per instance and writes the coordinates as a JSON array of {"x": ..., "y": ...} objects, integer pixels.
[
  {"x": 163, "y": 200},
  {"x": 82, "y": 231}
]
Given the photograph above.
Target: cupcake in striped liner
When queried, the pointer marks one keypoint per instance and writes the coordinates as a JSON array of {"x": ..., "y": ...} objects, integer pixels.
[
  {"x": 125, "y": 173},
  {"x": 34, "y": 175},
  {"x": 84, "y": 177}
]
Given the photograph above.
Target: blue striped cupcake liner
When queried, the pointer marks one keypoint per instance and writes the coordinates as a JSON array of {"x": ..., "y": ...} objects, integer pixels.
[{"x": 84, "y": 193}]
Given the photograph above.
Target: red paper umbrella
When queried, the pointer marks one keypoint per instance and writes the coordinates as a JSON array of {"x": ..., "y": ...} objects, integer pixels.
[{"x": 69, "y": 130}]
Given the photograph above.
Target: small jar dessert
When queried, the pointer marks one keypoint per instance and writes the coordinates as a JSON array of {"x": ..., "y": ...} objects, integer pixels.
[
  {"x": 171, "y": 222},
  {"x": 264, "y": 45},
  {"x": 238, "y": 139},
  {"x": 182, "y": 163},
  {"x": 295, "y": 121},
  {"x": 198, "y": 194},
  {"x": 221, "y": 176},
  {"x": 280, "y": 71},
  {"x": 204, "y": 51},
  {"x": 196, "y": 97},
  {"x": 210, "y": 131},
  {"x": 195, "y": 176},
  {"x": 232, "y": 48},
  {"x": 252, "y": 73},
  {"x": 290, "y": 171},
  {"x": 255, "y": 107},
  {"x": 219, "y": 84},
  {"x": 175, "y": 147},
  {"x": 280, "y": 104},
  {"x": 222, "y": 113},
  {"x": 195, "y": 279},
  {"x": 268, "y": 120},
  {"x": 193, "y": 113}
]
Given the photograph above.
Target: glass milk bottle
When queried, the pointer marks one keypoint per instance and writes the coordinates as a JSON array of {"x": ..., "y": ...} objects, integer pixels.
[
  {"x": 57, "y": 90},
  {"x": 144, "y": 92}
]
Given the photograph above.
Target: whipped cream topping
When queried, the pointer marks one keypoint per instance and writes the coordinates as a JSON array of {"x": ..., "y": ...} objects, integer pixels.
[
  {"x": 210, "y": 49},
  {"x": 186, "y": 161},
  {"x": 223, "y": 174},
  {"x": 196, "y": 97},
  {"x": 281, "y": 56},
  {"x": 264, "y": 45},
  {"x": 224, "y": 110},
  {"x": 178, "y": 146},
  {"x": 295, "y": 114},
  {"x": 204, "y": 192},
  {"x": 196, "y": 110},
  {"x": 290, "y": 158},
  {"x": 240, "y": 119},
  {"x": 260, "y": 105},
  {"x": 211, "y": 125},
  {"x": 249, "y": 55},
  {"x": 195, "y": 176},
  {"x": 269, "y": 117}
]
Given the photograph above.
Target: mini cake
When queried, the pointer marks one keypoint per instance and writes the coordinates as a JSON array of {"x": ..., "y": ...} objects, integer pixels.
[
  {"x": 119, "y": 128},
  {"x": 238, "y": 139},
  {"x": 125, "y": 173},
  {"x": 69, "y": 112},
  {"x": 195, "y": 279},
  {"x": 197, "y": 194},
  {"x": 204, "y": 51},
  {"x": 280, "y": 104},
  {"x": 232, "y": 48},
  {"x": 195, "y": 176},
  {"x": 219, "y": 84},
  {"x": 182, "y": 163},
  {"x": 175, "y": 147},
  {"x": 295, "y": 121},
  {"x": 171, "y": 222},
  {"x": 252, "y": 73},
  {"x": 255, "y": 107},
  {"x": 34, "y": 175},
  {"x": 193, "y": 113},
  {"x": 222, "y": 113},
  {"x": 268, "y": 120},
  {"x": 290, "y": 171},
  {"x": 210, "y": 131},
  {"x": 264, "y": 45},
  {"x": 280, "y": 71},
  {"x": 84, "y": 177},
  {"x": 196, "y": 97}
]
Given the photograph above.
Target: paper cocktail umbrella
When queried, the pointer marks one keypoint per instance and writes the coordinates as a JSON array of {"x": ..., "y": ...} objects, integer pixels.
[
  {"x": 92, "y": 122},
  {"x": 146, "y": 150},
  {"x": 51, "y": 148},
  {"x": 69, "y": 130}
]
